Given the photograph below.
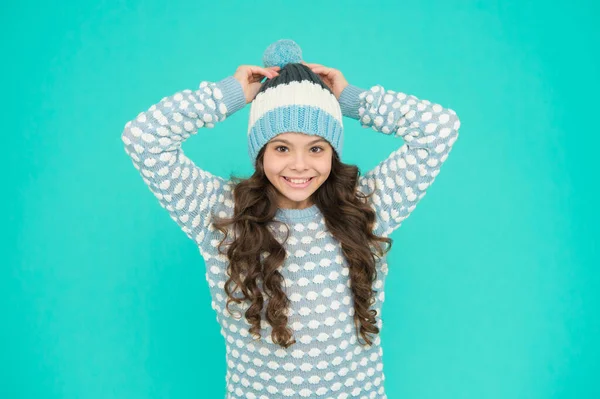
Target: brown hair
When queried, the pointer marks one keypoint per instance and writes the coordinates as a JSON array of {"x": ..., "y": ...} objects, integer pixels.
[{"x": 348, "y": 217}]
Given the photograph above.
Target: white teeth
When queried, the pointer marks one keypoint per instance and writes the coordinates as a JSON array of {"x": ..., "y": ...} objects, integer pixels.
[{"x": 295, "y": 181}]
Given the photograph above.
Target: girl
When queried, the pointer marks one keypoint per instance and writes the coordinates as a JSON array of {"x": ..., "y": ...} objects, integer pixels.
[{"x": 297, "y": 245}]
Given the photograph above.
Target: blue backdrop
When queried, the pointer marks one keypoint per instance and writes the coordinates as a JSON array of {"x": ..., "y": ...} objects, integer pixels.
[{"x": 493, "y": 289}]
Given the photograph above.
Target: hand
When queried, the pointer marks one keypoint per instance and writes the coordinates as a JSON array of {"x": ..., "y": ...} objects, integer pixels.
[
  {"x": 332, "y": 78},
  {"x": 250, "y": 78}
]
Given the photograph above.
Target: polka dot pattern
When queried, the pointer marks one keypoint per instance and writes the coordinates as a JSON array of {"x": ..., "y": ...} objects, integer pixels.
[
  {"x": 327, "y": 361},
  {"x": 401, "y": 180}
]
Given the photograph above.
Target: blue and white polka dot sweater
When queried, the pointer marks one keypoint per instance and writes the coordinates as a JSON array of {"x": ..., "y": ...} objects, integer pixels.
[{"x": 326, "y": 361}]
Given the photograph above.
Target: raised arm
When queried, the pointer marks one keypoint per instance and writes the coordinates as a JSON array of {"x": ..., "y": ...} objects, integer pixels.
[
  {"x": 401, "y": 180},
  {"x": 153, "y": 142}
]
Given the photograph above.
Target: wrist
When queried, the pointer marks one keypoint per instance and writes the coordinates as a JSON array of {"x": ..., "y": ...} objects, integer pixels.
[
  {"x": 350, "y": 102},
  {"x": 233, "y": 94},
  {"x": 339, "y": 91}
]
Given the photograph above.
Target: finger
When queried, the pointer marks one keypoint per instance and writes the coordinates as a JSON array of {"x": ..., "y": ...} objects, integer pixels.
[
  {"x": 264, "y": 71},
  {"x": 322, "y": 70},
  {"x": 259, "y": 75},
  {"x": 312, "y": 65}
]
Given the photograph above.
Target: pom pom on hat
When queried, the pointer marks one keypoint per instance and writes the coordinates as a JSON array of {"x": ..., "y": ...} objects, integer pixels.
[
  {"x": 281, "y": 53},
  {"x": 297, "y": 100}
]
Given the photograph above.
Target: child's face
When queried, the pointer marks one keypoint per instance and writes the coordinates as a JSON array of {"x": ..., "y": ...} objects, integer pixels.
[{"x": 297, "y": 155}]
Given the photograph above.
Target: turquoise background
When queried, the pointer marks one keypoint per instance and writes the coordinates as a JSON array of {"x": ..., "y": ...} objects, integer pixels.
[{"x": 493, "y": 289}]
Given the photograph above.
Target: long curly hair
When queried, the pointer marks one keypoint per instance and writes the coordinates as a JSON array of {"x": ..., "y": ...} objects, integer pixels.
[{"x": 348, "y": 217}]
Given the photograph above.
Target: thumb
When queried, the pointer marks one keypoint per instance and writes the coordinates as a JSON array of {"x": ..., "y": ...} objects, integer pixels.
[{"x": 253, "y": 89}]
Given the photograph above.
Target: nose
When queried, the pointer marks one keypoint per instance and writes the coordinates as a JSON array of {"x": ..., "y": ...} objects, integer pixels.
[{"x": 299, "y": 161}]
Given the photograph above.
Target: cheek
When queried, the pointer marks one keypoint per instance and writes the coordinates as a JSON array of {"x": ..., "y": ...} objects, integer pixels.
[
  {"x": 272, "y": 168},
  {"x": 268, "y": 163},
  {"x": 325, "y": 167}
]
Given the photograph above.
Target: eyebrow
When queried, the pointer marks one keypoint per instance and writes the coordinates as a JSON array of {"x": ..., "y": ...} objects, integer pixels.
[{"x": 287, "y": 142}]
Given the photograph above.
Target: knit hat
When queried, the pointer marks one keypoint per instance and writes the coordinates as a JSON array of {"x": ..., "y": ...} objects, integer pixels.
[{"x": 295, "y": 101}]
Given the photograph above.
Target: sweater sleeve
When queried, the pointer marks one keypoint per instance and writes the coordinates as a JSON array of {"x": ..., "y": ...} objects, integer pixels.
[
  {"x": 153, "y": 142},
  {"x": 401, "y": 180}
]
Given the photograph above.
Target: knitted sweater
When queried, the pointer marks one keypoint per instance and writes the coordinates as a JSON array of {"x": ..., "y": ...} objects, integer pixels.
[{"x": 327, "y": 360}]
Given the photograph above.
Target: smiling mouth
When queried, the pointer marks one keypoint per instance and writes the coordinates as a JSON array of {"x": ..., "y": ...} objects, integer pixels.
[
  {"x": 302, "y": 184},
  {"x": 300, "y": 181}
]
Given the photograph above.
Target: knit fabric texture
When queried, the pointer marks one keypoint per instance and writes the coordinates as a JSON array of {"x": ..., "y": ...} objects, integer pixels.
[
  {"x": 327, "y": 361},
  {"x": 295, "y": 101}
]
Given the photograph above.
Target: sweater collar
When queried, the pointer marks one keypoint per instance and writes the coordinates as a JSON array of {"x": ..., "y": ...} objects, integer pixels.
[{"x": 297, "y": 214}]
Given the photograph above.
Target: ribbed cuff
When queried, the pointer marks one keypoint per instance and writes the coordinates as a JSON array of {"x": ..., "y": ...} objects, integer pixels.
[
  {"x": 349, "y": 101},
  {"x": 233, "y": 94}
]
